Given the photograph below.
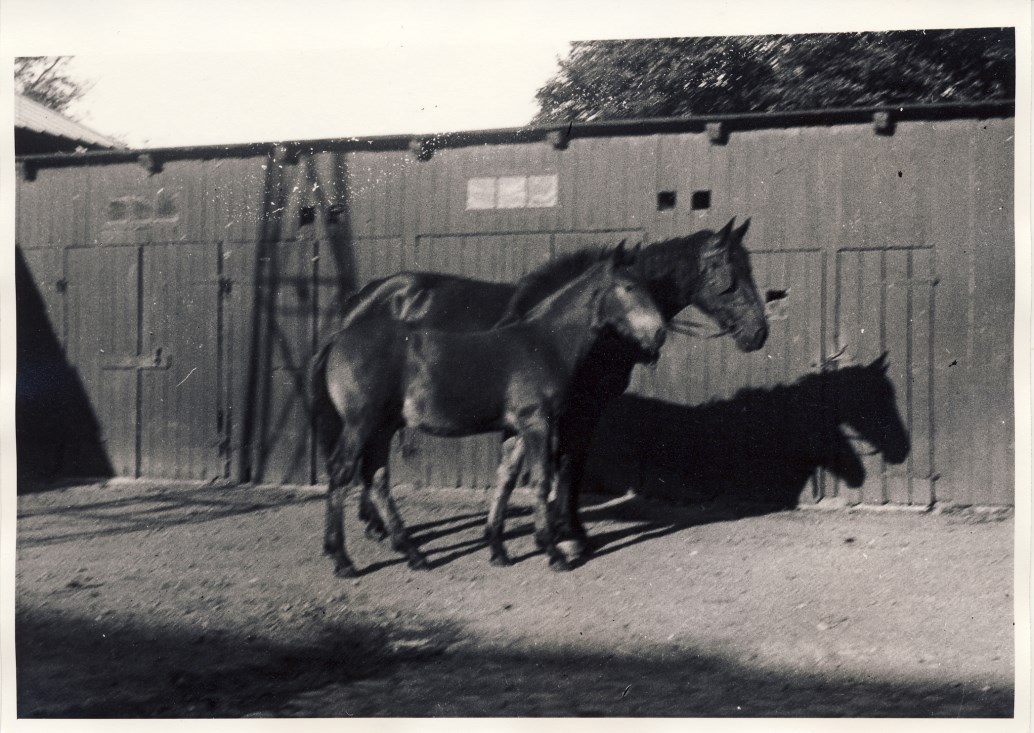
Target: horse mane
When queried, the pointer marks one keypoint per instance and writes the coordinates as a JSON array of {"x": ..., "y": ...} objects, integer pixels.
[
  {"x": 658, "y": 259},
  {"x": 548, "y": 278}
]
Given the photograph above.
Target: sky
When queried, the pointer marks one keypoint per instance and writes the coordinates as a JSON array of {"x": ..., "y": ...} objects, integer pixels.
[
  {"x": 166, "y": 99},
  {"x": 194, "y": 72}
]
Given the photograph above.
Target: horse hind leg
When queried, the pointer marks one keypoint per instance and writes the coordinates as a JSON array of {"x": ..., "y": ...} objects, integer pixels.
[
  {"x": 342, "y": 471},
  {"x": 506, "y": 479},
  {"x": 380, "y": 496},
  {"x": 375, "y": 528}
]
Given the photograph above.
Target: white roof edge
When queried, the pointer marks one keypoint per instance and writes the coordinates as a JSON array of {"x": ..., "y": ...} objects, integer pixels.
[{"x": 32, "y": 115}]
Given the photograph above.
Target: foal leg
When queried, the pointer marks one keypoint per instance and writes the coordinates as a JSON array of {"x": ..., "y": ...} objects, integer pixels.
[
  {"x": 541, "y": 460},
  {"x": 380, "y": 496},
  {"x": 506, "y": 479}
]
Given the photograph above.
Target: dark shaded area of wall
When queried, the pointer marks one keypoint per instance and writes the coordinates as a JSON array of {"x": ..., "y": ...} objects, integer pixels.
[{"x": 55, "y": 426}]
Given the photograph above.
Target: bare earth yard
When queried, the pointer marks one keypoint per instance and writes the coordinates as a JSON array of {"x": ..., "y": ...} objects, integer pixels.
[{"x": 145, "y": 600}]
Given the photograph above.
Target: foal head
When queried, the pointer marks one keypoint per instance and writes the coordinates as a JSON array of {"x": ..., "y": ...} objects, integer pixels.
[
  {"x": 625, "y": 308},
  {"x": 725, "y": 288}
]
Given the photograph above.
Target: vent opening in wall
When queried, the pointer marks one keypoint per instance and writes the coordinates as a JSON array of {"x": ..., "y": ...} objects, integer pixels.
[
  {"x": 776, "y": 303},
  {"x": 700, "y": 200},
  {"x": 666, "y": 200}
]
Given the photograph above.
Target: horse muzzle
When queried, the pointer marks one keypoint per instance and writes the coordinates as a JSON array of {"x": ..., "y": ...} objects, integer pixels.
[
  {"x": 751, "y": 340},
  {"x": 652, "y": 350}
]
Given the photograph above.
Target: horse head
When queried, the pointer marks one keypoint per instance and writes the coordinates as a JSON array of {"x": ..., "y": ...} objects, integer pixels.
[
  {"x": 863, "y": 400},
  {"x": 725, "y": 288}
]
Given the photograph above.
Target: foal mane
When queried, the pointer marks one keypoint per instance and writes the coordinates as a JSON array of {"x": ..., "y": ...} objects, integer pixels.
[{"x": 548, "y": 278}]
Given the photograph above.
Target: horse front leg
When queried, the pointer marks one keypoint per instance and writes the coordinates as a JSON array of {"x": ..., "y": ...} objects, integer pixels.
[
  {"x": 506, "y": 479},
  {"x": 567, "y": 524}
]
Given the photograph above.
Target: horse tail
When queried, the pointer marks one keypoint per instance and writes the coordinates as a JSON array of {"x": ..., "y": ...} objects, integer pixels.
[{"x": 326, "y": 420}]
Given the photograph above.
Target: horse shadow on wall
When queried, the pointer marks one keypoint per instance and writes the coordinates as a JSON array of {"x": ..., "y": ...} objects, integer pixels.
[
  {"x": 760, "y": 448},
  {"x": 56, "y": 429}
]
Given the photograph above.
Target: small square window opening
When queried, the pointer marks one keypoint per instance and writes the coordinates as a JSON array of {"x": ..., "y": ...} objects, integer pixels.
[
  {"x": 700, "y": 200},
  {"x": 666, "y": 200}
]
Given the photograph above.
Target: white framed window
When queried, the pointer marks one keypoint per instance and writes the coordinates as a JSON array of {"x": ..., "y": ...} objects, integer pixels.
[{"x": 512, "y": 192}]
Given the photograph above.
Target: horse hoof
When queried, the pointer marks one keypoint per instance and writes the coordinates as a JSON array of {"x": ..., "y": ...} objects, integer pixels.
[
  {"x": 560, "y": 565},
  {"x": 419, "y": 563},
  {"x": 501, "y": 561},
  {"x": 346, "y": 571},
  {"x": 573, "y": 550}
]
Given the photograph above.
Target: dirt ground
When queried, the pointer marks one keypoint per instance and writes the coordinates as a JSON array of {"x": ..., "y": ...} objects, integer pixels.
[{"x": 137, "y": 600}]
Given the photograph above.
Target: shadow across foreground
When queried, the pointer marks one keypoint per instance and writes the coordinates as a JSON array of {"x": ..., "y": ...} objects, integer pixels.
[{"x": 78, "y": 668}]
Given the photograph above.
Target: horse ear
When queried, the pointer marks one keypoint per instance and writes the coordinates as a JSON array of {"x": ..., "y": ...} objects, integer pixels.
[
  {"x": 881, "y": 362},
  {"x": 625, "y": 257},
  {"x": 619, "y": 256},
  {"x": 741, "y": 231},
  {"x": 719, "y": 243}
]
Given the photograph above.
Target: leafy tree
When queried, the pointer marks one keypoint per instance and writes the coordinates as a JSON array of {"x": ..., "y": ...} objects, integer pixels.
[
  {"x": 44, "y": 79},
  {"x": 670, "y": 77}
]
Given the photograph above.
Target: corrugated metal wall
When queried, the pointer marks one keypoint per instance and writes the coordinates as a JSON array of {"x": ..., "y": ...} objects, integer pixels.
[{"x": 191, "y": 299}]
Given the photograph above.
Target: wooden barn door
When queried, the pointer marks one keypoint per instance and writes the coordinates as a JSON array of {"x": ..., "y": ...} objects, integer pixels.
[
  {"x": 180, "y": 432},
  {"x": 142, "y": 331},
  {"x": 883, "y": 302},
  {"x": 102, "y": 288}
]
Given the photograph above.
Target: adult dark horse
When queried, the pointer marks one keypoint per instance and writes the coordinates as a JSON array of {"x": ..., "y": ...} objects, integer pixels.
[
  {"x": 707, "y": 269},
  {"x": 379, "y": 374}
]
